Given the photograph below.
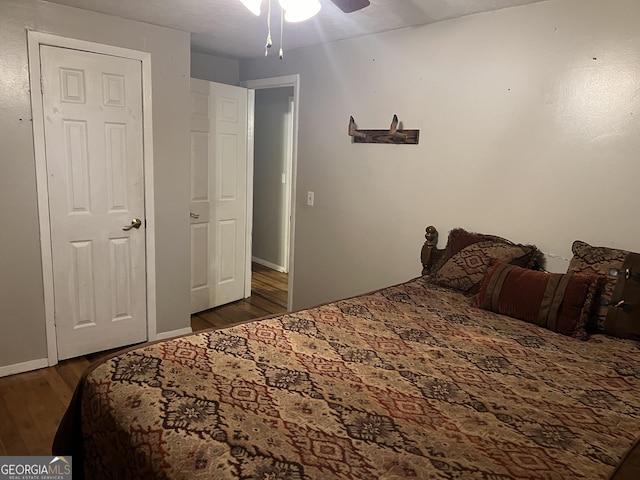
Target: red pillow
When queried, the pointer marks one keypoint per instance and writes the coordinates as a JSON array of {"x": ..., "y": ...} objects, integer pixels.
[{"x": 558, "y": 302}]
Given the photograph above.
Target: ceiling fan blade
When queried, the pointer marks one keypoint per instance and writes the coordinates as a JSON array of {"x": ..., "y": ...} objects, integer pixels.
[{"x": 348, "y": 6}]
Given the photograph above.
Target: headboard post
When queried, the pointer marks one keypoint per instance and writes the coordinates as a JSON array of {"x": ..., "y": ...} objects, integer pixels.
[{"x": 429, "y": 249}]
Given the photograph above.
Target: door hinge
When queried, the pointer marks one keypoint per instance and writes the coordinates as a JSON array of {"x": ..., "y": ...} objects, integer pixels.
[{"x": 41, "y": 85}]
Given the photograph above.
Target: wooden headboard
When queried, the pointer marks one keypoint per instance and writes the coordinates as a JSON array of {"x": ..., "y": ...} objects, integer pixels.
[{"x": 430, "y": 254}]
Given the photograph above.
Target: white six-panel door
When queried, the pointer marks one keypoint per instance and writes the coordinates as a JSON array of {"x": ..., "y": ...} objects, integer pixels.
[
  {"x": 92, "y": 105},
  {"x": 202, "y": 248},
  {"x": 218, "y": 193}
]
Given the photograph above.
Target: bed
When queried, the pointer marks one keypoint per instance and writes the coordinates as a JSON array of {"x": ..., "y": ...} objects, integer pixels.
[{"x": 425, "y": 379}]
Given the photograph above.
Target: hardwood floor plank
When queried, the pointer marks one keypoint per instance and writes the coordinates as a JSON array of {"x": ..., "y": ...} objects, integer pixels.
[
  {"x": 212, "y": 319},
  {"x": 48, "y": 414},
  {"x": 71, "y": 370},
  {"x": 10, "y": 431},
  {"x": 276, "y": 298},
  {"x": 45, "y": 415},
  {"x": 268, "y": 296},
  {"x": 30, "y": 434},
  {"x": 59, "y": 387},
  {"x": 232, "y": 314},
  {"x": 198, "y": 324},
  {"x": 266, "y": 305},
  {"x": 3, "y": 449},
  {"x": 270, "y": 284}
]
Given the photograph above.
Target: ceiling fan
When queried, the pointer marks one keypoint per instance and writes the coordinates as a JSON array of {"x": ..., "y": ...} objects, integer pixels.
[
  {"x": 348, "y": 6},
  {"x": 302, "y": 10},
  {"x": 298, "y": 11}
]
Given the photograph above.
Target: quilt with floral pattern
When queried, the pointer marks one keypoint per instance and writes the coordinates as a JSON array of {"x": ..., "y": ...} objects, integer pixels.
[{"x": 410, "y": 381}]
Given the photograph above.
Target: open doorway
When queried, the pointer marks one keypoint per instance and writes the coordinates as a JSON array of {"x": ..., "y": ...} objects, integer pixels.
[
  {"x": 273, "y": 123},
  {"x": 274, "y": 160}
]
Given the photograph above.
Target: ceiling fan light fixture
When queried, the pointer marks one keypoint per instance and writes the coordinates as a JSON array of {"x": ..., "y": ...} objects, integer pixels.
[
  {"x": 299, "y": 10},
  {"x": 253, "y": 6}
]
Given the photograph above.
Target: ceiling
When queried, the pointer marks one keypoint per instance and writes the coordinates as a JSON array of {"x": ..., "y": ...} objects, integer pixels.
[{"x": 226, "y": 28}]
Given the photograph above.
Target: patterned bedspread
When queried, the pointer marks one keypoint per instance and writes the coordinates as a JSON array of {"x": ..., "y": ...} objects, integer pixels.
[{"x": 407, "y": 382}]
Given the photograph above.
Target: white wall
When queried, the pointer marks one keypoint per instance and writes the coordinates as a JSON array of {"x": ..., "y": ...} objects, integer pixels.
[
  {"x": 215, "y": 69},
  {"x": 22, "y": 322},
  {"x": 530, "y": 129}
]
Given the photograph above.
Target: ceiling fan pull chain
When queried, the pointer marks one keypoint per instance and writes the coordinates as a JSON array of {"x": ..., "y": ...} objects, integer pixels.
[
  {"x": 281, "y": 53},
  {"x": 269, "y": 42}
]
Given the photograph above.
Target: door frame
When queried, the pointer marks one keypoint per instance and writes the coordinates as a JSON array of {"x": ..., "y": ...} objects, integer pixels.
[
  {"x": 289, "y": 153},
  {"x": 34, "y": 41},
  {"x": 275, "y": 82}
]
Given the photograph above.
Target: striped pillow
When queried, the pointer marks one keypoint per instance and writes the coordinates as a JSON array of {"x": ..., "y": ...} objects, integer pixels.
[{"x": 558, "y": 302}]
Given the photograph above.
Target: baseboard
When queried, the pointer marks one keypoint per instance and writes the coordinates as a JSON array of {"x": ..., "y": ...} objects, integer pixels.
[
  {"x": 23, "y": 367},
  {"x": 272, "y": 266},
  {"x": 173, "y": 333}
]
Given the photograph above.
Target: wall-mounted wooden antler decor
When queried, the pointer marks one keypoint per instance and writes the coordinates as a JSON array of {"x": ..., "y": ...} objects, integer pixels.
[{"x": 393, "y": 135}]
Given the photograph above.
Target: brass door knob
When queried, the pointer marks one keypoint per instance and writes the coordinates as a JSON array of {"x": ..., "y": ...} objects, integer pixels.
[{"x": 135, "y": 223}]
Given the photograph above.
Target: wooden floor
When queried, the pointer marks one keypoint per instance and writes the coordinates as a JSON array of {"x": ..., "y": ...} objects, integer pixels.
[
  {"x": 32, "y": 403},
  {"x": 268, "y": 296}
]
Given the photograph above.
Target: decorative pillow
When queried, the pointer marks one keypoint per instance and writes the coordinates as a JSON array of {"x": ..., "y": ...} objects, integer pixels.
[
  {"x": 618, "y": 309},
  {"x": 556, "y": 301},
  {"x": 459, "y": 238},
  {"x": 466, "y": 269}
]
